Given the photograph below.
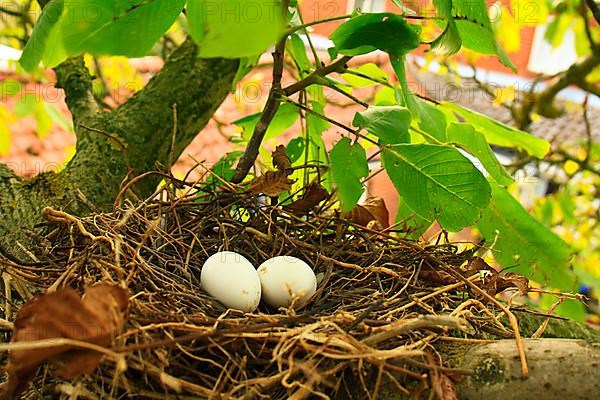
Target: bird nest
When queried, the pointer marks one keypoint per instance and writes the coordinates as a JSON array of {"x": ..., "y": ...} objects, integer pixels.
[{"x": 382, "y": 305}]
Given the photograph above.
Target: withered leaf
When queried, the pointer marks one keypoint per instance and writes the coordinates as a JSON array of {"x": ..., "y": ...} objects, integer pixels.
[
  {"x": 477, "y": 264},
  {"x": 271, "y": 183},
  {"x": 314, "y": 194},
  {"x": 97, "y": 319},
  {"x": 447, "y": 388},
  {"x": 373, "y": 213},
  {"x": 511, "y": 279},
  {"x": 442, "y": 385},
  {"x": 376, "y": 206},
  {"x": 436, "y": 277},
  {"x": 281, "y": 161},
  {"x": 493, "y": 282}
]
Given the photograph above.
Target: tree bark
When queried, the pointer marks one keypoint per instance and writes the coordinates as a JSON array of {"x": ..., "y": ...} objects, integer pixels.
[
  {"x": 115, "y": 145},
  {"x": 559, "y": 369}
]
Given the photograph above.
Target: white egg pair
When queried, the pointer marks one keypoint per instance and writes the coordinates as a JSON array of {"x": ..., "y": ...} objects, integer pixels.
[{"x": 231, "y": 278}]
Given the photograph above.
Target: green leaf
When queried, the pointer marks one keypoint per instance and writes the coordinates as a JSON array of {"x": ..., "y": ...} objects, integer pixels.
[
  {"x": 448, "y": 42},
  {"x": 285, "y": 117},
  {"x": 55, "y": 52},
  {"x": 348, "y": 167},
  {"x": 295, "y": 148},
  {"x": 520, "y": 241},
  {"x": 467, "y": 138},
  {"x": 234, "y": 28},
  {"x": 5, "y": 138},
  {"x": 557, "y": 29},
  {"x": 316, "y": 125},
  {"x": 371, "y": 70},
  {"x": 407, "y": 98},
  {"x": 36, "y": 45},
  {"x": 365, "y": 33},
  {"x": 297, "y": 49},
  {"x": 389, "y": 123},
  {"x": 128, "y": 28},
  {"x": 572, "y": 309},
  {"x": 246, "y": 65},
  {"x": 431, "y": 120},
  {"x": 567, "y": 206},
  {"x": 26, "y": 104},
  {"x": 58, "y": 118},
  {"x": 42, "y": 118},
  {"x": 500, "y": 134},
  {"x": 413, "y": 224},
  {"x": 468, "y": 23},
  {"x": 224, "y": 168},
  {"x": 437, "y": 182},
  {"x": 386, "y": 96},
  {"x": 444, "y": 8}
]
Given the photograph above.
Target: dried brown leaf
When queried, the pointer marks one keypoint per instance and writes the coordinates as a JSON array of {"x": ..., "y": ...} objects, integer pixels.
[
  {"x": 442, "y": 385},
  {"x": 314, "y": 194},
  {"x": 97, "y": 319},
  {"x": 477, "y": 264},
  {"x": 281, "y": 161},
  {"x": 376, "y": 206},
  {"x": 511, "y": 279},
  {"x": 271, "y": 183},
  {"x": 447, "y": 388},
  {"x": 493, "y": 282},
  {"x": 436, "y": 277},
  {"x": 373, "y": 214},
  {"x": 359, "y": 215}
]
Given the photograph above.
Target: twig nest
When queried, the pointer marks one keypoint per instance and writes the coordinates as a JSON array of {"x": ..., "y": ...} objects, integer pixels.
[
  {"x": 231, "y": 278},
  {"x": 285, "y": 279}
]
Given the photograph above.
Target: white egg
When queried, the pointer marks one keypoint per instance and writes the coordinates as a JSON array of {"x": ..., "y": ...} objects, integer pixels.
[
  {"x": 231, "y": 278},
  {"x": 283, "y": 278}
]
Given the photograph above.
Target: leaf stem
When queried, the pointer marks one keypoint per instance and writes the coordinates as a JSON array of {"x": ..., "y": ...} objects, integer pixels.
[{"x": 312, "y": 23}]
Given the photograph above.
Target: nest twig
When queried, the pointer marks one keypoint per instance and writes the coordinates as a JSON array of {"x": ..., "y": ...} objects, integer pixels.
[{"x": 381, "y": 302}]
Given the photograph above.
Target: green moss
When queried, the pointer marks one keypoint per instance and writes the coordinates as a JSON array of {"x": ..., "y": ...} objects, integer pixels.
[
  {"x": 489, "y": 371},
  {"x": 557, "y": 328}
]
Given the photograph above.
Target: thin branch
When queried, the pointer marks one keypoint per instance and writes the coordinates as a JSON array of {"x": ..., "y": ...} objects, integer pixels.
[
  {"x": 583, "y": 11},
  {"x": 272, "y": 105},
  {"x": 324, "y": 117},
  {"x": 594, "y": 9},
  {"x": 337, "y": 66},
  {"x": 355, "y": 100},
  {"x": 10, "y": 12},
  {"x": 355, "y": 132},
  {"x": 309, "y": 39},
  {"x": 588, "y": 132},
  {"x": 589, "y": 87},
  {"x": 575, "y": 74},
  {"x": 73, "y": 76},
  {"x": 321, "y": 21}
]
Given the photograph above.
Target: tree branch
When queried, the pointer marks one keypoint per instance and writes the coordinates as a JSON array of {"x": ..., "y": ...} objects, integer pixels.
[
  {"x": 543, "y": 102},
  {"x": 272, "y": 105},
  {"x": 73, "y": 76},
  {"x": 594, "y": 9},
  {"x": 144, "y": 125},
  {"x": 115, "y": 145},
  {"x": 10, "y": 12},
  {"x": 337, "y": 66}
]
